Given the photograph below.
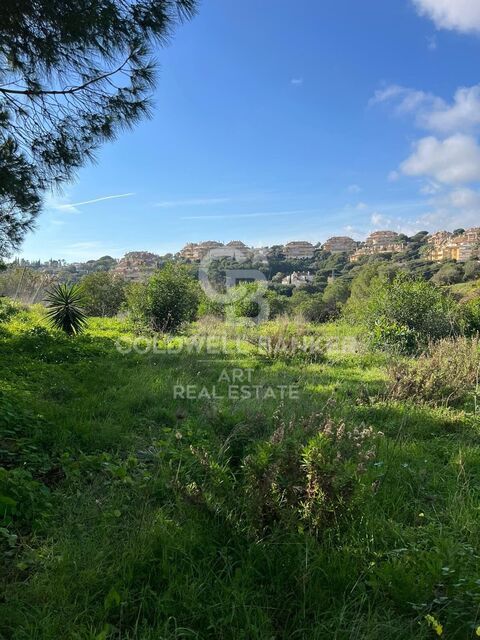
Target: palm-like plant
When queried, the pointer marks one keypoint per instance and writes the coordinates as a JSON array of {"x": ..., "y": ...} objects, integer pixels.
[{"x": 64, "y": 308}]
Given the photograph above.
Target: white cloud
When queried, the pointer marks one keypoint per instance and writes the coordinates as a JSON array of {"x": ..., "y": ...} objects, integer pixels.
[
  {"x": 406, "y": 100},
  {"x": 430, "y": 188},
  {"x": 455, "y": 160},
  {"x": 459, "y": 15},
  {"x": 354, "y": 188},
  {"x": 462, "y": 115},
  {"x": 296, "y": 81},
  {"x": 89, "y": 250},
  {"x": 61, "y": 204},
  {"x": 434, "y": 113},
  {"x": 379, "y": 219},
  {"x": 260, "y": 214},
  {"x": 191, "y": 202},
  {"x": 462, "y": 198}
]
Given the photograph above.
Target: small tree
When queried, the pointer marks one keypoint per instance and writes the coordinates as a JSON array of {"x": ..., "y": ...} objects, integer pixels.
[
  {"x": 64, "y": 308},
  {"x": 406, "y": 314},
  {"x": 169, "y": 298},
  {"x": 336, "y": 295},
  {"x": 103, "y": 293},
  {"x": 472, "y": 270}
]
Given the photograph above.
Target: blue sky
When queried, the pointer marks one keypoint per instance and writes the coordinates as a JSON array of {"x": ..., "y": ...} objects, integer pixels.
[{"x": 277, "y": 120}]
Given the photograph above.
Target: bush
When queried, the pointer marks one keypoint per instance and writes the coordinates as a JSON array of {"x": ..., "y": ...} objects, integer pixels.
[
  {"x": 449, "y": 274},
  {"x": 471, "y": 315},
  {"x": 8, "y": 308},
  {"x": 279, "y": 304},
  {"x": 445, "y": 374},
  {"x": 311, "y": 307},
  {"x": 471, "y": 269},
  {"x": 406, "y": 314},
  {"x": 303, "y": 478},
  {"x": 306, "y": 475},
  {"x": 210, "y": 308},
  {"x": 103, "y": 293},
  {"x": 247, "y": 301},
  {"x": 336, "y": 294},
  {"x": 169, "y": 299}
]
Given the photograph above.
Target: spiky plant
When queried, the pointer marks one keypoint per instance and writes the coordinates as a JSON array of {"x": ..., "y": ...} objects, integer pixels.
[{"x": 64, "y": 308}]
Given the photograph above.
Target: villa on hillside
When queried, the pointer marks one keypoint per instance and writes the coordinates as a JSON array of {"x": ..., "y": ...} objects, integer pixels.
[
  {"x": 196, "y": 251},
  {"x": 137, "y": 266},
  {"x": 445, "y": 246},
  {"x": 298, "y": 278},
  {"x": 340, "y": 244},
  {"x": 298, "y": 250},
  {"x": 379, "y": 242}
]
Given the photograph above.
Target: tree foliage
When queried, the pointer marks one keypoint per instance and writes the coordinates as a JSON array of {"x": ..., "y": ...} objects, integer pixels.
[
  {"x": 72, "y": 75},
  {"x": 103, "y": 293},
  {"x": 170, "y": 298},
  {"x": 405, "y": 314}
]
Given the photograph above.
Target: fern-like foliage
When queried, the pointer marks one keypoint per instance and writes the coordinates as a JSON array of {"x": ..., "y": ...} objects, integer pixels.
[{"x": 64, "y": 308}]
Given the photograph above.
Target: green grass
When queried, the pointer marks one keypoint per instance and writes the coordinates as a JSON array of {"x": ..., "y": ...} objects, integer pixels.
[{"x": 111, "y": 545}]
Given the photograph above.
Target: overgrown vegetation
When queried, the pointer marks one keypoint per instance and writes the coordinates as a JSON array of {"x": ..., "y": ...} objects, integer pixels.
[
  {"x": 169, "y": 298},
  {"x": 348, "y": 509}
]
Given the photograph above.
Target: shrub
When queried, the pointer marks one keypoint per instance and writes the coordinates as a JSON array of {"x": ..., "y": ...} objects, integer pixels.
[
  {"x": 303, "y": 478},
  {"x": 310, "y": 306},
  {"x": 210, "y": 308},
  {"x": 306, "y": 485},
  {"x": 406, "y": 314},
  {"x": 449, "y": 274},
  {"x": 471, "y": 269},
  {"x": 64, "y": 308},
  {"x": 445, "y": 374},
  {"x": 169, "y": 298},
  {"x": 103, "y": 293},
  {"x": 8, "y": 308},
  {"x": 336, "y": 293},
  {"x": 279, "y": 304},
  {"x": 247, "y": 300},
  {"x": 471, "y": 315}
]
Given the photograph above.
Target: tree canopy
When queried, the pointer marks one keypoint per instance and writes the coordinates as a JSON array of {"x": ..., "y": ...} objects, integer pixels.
[{"x": 72, "y": 75}]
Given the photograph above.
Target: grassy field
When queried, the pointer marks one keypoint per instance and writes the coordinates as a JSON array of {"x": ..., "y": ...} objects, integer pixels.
[{"x": 126, "y": 511}]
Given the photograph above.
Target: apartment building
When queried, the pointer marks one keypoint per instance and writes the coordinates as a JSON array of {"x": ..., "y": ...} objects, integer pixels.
[
  {"x": 137, "y": 266},
  {"x": 340, "y": 244},
  {"x": 377, "y": 243},
  {"x": 298, "y": 249}
]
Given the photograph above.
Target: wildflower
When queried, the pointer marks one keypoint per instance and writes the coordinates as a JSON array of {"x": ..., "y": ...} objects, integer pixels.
[
  {"x": 434, "y": 624},
  {"x": 477, "y": 631}
]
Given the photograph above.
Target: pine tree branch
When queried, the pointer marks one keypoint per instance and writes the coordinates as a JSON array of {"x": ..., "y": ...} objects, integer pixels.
[{"x": 69, "y": 91}]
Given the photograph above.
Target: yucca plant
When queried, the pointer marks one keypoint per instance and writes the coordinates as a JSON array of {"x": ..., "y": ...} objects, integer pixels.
[{"x": 64, "y": 308}]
